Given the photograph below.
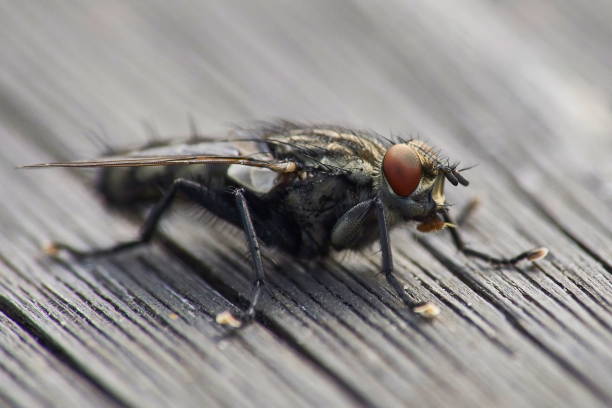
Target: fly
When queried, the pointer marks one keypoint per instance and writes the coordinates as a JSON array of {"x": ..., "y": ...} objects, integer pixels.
[{"x": 307, "y": 190}]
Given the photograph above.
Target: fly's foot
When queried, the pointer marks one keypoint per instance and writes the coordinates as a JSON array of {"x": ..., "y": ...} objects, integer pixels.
[
  {"x": 235, "y": 324},
  {"x": 52, "y": 249},
  {"x": 55, "y": 249},
  {"x": 226, "y": 318},
  {"x": 240, "y": 321},
  {"x": 537, "y": 253},
  {"x": 427, "y": 310},
  {"x": 532, "y": 255}
]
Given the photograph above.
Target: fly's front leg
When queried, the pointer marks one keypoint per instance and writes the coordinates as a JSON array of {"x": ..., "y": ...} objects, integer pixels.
[
  {"x": 467, "y": 211},
  {"x": 531, "y": 255},
  {"x": 148, "y": 228},
  {"x": 424, "y": 309}
]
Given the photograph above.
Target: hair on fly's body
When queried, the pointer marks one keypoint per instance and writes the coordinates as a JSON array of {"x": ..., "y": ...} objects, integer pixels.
[{"x": 307, "y": 190}]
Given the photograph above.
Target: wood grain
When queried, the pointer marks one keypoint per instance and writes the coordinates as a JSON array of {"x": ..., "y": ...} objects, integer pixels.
[{"x": 522, "y": 90}]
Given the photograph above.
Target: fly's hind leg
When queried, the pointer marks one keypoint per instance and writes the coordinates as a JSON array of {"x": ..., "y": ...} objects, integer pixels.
[
  {"x": 531, "y": 255},
  {"x": 190, "y": 188},
  {"x": 198, "y": 193},
  {"x": 254, "y": 250}
]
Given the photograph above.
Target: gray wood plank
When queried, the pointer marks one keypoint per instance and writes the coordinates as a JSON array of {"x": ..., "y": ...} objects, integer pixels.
[
  {"x": 30, "y": 376},
  {"x": 512, "y": 88},
  {"x": 141, "y": 329}
]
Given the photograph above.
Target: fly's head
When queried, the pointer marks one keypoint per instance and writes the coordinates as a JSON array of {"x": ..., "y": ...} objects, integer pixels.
[{"x": 412, "y": 184}]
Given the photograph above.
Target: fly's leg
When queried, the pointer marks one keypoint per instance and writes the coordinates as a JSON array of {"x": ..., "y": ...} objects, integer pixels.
[
  {"x": 531, "y": 255},
  {"x": 427, "y": 309},
  {"x": 194, "y": 191},
  {"x": 467, "y": 211},
  {"x": 147, "y": 230},
  {"x": 251, "y": 237}
]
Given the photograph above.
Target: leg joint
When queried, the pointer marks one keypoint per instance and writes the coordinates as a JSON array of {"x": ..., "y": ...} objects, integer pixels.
[{"x": 238, "y": 192}]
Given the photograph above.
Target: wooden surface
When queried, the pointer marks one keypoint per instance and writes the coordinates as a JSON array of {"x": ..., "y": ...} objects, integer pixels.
[{"x": 523, "y": 89}]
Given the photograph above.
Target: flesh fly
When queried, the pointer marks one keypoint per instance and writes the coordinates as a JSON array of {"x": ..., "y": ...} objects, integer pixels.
[{"x": 307, "y": 190}]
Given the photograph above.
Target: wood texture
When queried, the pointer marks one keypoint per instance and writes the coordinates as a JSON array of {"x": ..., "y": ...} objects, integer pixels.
[{"x": 522, "y": 90}]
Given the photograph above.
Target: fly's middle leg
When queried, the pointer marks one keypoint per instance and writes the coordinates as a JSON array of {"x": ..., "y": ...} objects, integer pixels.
[{"x": 427, "y": 309}]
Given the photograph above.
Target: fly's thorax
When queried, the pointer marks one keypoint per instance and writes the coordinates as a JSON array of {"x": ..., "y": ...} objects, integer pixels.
[
  {"x": 331, "y": 150},
  {"x": 410, "y": 183}
]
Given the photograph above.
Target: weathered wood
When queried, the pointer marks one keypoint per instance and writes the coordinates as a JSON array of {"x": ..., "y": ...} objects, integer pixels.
[
  {"x": 122, "y": 322},
  {"x": 31, "y": 376},
  {"x": 486, "y": 83}
]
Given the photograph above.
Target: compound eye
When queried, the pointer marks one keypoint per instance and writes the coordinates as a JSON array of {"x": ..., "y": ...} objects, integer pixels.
[{"x": 402, "y": 169}]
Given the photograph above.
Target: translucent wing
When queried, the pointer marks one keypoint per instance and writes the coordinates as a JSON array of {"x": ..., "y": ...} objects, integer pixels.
[{"x": 173, "y": 160}]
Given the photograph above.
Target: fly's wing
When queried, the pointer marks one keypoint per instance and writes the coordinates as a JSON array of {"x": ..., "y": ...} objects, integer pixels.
[
  {"x": 173, "y": 160},
  {"x": 138, "y": 176},
  {"x": 209, "y": 152}
]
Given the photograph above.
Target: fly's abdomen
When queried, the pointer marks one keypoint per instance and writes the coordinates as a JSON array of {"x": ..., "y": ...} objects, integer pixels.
[
  {"x": 124, "y": 186},
  {"x": 141, "y": 184},
  {"x": 132, "y": 185}
]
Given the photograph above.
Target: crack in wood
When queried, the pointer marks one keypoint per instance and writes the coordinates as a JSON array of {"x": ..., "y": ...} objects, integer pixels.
[
  {"x": 514, "y": 321},
  {"x": 283, "y": 334},
  {"x": 47, "y": 342}
]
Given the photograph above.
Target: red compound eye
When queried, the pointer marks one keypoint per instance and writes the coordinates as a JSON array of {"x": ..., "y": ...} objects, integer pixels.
[{"x": 402, "y": 169}]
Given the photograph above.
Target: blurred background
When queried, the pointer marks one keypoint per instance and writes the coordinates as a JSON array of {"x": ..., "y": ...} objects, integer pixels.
[
  {"x": 521, "y": 88},
  {"x": 475, "y": 72}
]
